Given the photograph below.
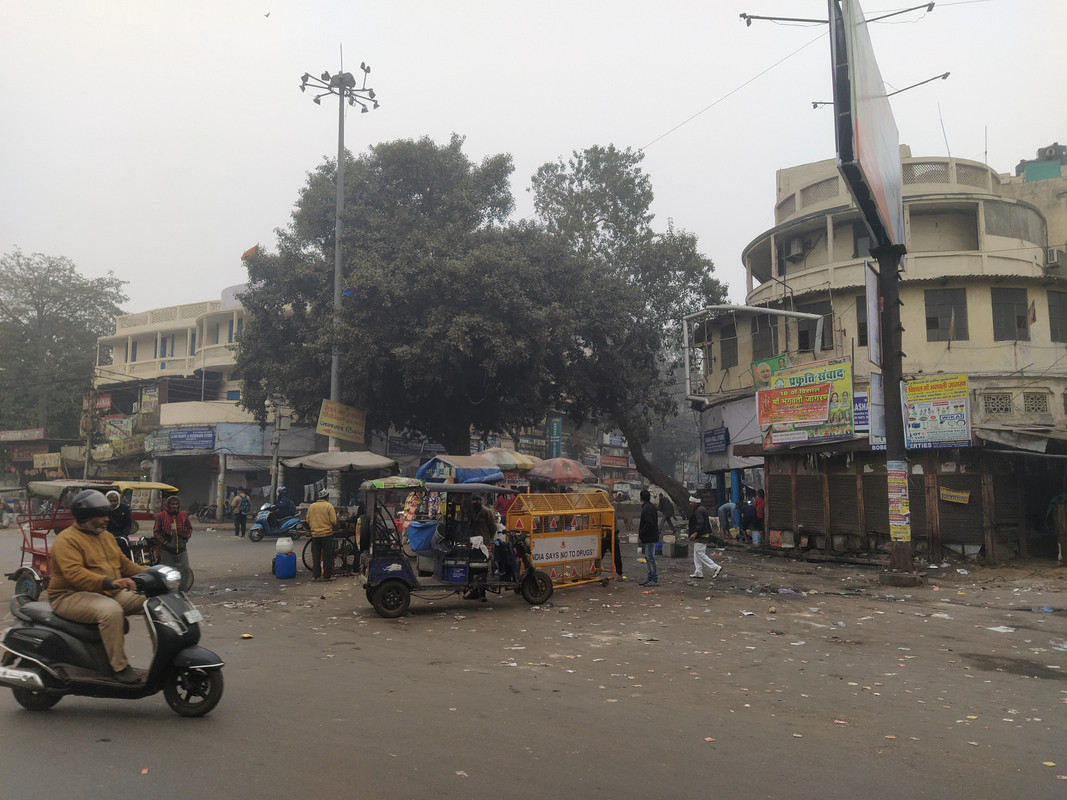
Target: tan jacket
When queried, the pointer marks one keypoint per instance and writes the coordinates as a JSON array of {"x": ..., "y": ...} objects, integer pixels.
[
  {"x": 321, "y": 518},
  {"x": 82, "y": 562}
]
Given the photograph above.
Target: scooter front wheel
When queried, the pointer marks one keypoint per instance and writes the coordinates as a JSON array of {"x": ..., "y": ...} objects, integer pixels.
[
  {"x": 193, "y": 692},
  {"x": 255, "y": 535}
]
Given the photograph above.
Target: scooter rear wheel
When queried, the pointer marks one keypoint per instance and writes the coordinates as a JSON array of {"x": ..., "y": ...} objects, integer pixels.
[
  {"x": 193, "y": 692},
  {"x": 35, "y": 701}
]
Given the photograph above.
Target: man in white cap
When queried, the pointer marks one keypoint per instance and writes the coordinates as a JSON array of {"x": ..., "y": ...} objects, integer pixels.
[{"x": 700, "y": 534}]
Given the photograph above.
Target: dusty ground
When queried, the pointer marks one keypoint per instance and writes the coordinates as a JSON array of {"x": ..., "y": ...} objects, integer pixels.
[{"x": 780, "y": 680}]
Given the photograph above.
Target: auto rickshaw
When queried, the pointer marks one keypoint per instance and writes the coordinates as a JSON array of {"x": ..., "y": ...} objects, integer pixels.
[
  {"x": 439, "y": 531},
  {"x": 48, "y": 512}
]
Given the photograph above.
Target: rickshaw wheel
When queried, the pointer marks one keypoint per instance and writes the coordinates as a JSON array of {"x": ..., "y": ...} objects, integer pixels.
[
  {"x": 27, "y": 584},
  {"x": 536, "y": 587},
  {"x": 35, "y": 701},
  {"x": 134, "y": 526},
  {"x": 392, "y": 599}
]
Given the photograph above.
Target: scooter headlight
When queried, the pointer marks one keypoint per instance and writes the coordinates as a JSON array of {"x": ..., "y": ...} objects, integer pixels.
[{"x": 171, "y": 577}]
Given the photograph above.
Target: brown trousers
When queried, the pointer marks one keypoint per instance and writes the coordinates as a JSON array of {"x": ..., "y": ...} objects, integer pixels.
[{"x": 108, "y": 613}]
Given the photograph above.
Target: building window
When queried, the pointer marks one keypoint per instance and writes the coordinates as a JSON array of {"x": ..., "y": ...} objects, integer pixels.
[
  {"x": 861, "y": 321},
  {"x": 1009, "y": 315},
  {"x": 999, "y": 403},
  {"x": 229, "y": 332},
  {"x": 806, "y": 328},
  {"x": 240, "y": 325},
  {"x": 233, "y": 394},
  {"x": 764, "y": 336},
  {"x": 1035, "y": 403},
  {"x": 946, "y": 315},
  {"x": 1057, "y": 316},
  {"x": 861, "y": 241},
  {"x": 192, "y": 343},
  {"x": 133, "y": 350},
  {"x": 218, "y": 329},
  {"x": 728, "y": 346}
]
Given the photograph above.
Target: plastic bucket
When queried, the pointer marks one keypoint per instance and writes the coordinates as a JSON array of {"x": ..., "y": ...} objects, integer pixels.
[
  {"x": 284, "y": 545},
  {"x": 285, "y": 565},
  {"x": 756, "y": 537}
]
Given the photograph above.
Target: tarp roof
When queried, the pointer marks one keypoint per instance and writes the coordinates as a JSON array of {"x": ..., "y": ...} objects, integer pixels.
[{"x": 460, "y": 469}]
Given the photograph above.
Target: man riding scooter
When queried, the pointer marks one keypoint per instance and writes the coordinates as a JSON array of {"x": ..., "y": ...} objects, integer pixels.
[
  {"x": 283, "y": 509},
  {"x": 91, "y": 579}
]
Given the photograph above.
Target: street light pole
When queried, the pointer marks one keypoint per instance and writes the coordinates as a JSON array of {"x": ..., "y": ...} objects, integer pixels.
[{"x": 342, "y": 84}]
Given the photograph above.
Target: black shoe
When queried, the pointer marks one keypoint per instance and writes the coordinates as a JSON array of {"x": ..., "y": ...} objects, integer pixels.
[{"x": 129, "y": 675}]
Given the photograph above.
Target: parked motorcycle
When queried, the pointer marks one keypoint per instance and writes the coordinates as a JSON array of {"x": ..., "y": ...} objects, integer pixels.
[
  {"x": 45, "y": 656},
  {"x": 264, "y": 525}
]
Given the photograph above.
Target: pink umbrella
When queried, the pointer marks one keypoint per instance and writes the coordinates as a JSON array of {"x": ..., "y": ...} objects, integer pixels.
[{"x": 561, "y": 471}]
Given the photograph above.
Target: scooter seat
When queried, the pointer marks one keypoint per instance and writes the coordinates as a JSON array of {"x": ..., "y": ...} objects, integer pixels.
[{"x": 41, "y": 613}]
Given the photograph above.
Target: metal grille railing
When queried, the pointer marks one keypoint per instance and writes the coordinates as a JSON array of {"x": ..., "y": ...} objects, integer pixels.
[
  {"x": 817, "y": 192},
  {"x": 999, "y": 403},
  {"x": 925, "y": 172},
  {"x": 969, "y": 175},
  {"x": 1035, "y": 403}
]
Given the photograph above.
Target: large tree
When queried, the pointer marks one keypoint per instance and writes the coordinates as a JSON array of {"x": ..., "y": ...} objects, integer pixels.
[
  {"x": 451, "y": 319},
  {"x": 50, "y": 319},
  {"x": 622, "y": 374}
]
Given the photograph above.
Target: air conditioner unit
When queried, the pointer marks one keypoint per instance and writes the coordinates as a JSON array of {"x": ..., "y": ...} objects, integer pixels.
[
  {"x": 794, "y": 250},
  {"x": 1054, "y": 257}
]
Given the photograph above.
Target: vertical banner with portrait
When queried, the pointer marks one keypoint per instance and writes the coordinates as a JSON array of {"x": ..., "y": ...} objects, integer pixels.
[{"x": 807, "y": 404}]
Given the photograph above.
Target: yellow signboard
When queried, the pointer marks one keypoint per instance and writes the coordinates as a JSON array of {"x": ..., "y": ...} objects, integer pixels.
[
  {"x": 962, "y": 496},
  {"x": 341, "y": 422}
]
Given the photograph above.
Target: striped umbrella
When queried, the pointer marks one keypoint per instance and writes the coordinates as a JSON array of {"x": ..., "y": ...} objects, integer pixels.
[
  {"x": 561, "y": 471},
  {"x": 509, "y": 460}
]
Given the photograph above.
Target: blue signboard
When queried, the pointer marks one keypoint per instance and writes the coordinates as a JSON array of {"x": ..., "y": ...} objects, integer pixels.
[
  {"x": 192, "y": 438},
  {"x": 716, "y": 440},
  {"x": 555, "y": 437}
]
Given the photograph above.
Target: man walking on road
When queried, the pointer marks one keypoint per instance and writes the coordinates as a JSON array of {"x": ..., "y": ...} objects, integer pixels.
[
  {"x": 648, "y": 535},
  {"x": 322, "y": 520},
  {"x": 240, "y": 505},
  {"x": 700, "y": 534},
  {"x": 666, "y": 508}
]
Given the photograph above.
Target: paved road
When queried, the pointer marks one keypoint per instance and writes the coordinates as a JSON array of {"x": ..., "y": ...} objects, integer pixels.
[{"x": 780, "y": 680}]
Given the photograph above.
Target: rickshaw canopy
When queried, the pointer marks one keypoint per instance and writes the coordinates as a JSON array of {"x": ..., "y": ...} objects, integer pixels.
[{"x": 53, "y": 490}]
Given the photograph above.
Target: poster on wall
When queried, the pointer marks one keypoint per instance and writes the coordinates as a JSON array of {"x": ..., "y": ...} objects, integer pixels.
[
  {"x": 807, "y": 404},
  {"x": 936, "y": 413},
  {"x": 763, "y": 371},
  {"x": 899, "y": 504}
]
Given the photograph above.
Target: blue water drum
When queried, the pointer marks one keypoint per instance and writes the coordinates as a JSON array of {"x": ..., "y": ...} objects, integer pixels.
[{"x": 284, "y": 565}]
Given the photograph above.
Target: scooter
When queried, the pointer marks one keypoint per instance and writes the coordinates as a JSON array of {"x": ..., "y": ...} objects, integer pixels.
[
  {"x": 45, "y": 657},
  {"x": 263, "y": 525}
]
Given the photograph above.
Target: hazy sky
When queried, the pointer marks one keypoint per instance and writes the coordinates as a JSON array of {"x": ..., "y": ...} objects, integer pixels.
[{"x": 160, "y": 139}]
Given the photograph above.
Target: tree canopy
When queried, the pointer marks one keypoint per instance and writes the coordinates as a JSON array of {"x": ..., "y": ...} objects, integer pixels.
[
  {"x": 50, "y": 319},
  {"x": 451, "y": 320},
  {"x": 454, "y": 319}
]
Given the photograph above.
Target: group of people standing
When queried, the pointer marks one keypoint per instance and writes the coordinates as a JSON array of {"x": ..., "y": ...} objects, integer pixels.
[{"x": 700, "y": 529}]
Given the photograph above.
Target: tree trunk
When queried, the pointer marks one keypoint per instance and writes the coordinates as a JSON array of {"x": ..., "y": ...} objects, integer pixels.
[{"x": 675, "y": 489}]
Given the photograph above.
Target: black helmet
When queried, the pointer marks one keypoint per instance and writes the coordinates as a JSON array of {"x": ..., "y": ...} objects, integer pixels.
[
  {"x": 323, "y": 494},
  {"x": 89, "y": 503},
  {"x": 281, "y": 491}
]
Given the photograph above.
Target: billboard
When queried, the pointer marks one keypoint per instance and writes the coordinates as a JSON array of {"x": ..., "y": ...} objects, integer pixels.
[
  {"x": 763, "y": 371},
  {"x": 936, "y": 413},
  {"x": 868, "y": 146},
  {"x": 341, "y": 422},
  {"x": 808, "y": 404}
]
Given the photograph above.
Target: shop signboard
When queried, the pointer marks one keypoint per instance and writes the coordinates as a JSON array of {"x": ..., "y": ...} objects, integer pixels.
[
  {"x": 716, "y": 440},
  {"x": 191, "y": 438},
  {"x": 25, "y": 435},
  {"x": 339, "y": 421}
]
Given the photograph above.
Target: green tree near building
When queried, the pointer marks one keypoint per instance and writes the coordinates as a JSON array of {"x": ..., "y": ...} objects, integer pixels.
[
  {"x": 50, "y": 318},
  {"x": 624, "y": 373}
]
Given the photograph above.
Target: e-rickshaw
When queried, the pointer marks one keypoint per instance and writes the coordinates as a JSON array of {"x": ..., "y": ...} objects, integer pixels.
[
  {"x": 440, "y": 531},
  {"x": 48, "y": 512}
]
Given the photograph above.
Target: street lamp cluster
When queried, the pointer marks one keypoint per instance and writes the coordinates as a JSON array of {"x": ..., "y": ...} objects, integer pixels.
[{"x": 343, "y": 84}]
